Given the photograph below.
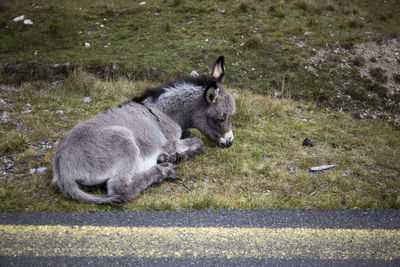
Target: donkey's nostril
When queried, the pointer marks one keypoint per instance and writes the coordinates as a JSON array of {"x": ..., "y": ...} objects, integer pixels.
[{"x": 229, "y": 143}]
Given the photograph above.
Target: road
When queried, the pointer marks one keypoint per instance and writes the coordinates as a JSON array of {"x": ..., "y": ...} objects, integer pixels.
[{"x": 201, "y": 238}]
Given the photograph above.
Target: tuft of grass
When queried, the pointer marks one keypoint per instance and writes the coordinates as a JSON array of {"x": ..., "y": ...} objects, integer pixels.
[
  {"x": 378, "y": 74},
  {"x": 13, "y": 143},
  {"x": 380, "y": 90},
  {"x": 358, "y": 61},
  {"x": 253, "y": 42},
  {"x": 396, "y": 78}
]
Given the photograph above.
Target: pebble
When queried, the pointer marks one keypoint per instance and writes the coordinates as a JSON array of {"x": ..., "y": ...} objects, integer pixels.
[
  {"x": 308, "y": 142},
  {"x": 32, "y": 171},
  {"x": 194, "y": 73},
  {"x": 28, "y": 22},
  {"x": 4, "y": 117},
  {"x": 41, "y": 170},
  {"x": 40, "y": 154},
  {"x": 87, "y": 45},
  {"x": 19, "y": 18},
  {"x": 266, "y": 158},
  {"x": 86, "y": 99}
]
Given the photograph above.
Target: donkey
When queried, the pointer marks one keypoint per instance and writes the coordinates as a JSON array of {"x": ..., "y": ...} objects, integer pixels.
[{"x": 138, "y": 143}]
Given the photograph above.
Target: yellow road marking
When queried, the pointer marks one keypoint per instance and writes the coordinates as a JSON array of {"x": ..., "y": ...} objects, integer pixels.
[{"x": 182, "y": 242}]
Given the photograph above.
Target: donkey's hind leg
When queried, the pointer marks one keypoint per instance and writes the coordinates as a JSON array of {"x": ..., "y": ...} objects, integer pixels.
[
  {"x": 131, "y": 188},
  {"x": 186, "y": 149}
]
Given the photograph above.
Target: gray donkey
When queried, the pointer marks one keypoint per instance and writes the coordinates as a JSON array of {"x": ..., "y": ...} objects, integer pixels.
[{"x": 129, "y": 147}]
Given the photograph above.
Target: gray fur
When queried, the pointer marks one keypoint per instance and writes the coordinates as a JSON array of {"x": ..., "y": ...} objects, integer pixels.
[{"x": 133, "y": 145}]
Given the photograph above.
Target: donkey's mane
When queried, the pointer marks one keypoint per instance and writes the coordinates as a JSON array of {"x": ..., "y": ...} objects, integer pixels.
[{"x": 202, "y": 81}]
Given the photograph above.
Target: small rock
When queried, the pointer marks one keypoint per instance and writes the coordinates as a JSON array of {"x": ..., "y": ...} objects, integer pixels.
[
  {"x": 308, "y": 142},
  {"x": 41, "y": 170},
  {"x": 206, "y": 40},
  {"x": 87, "y": 45},
  {"x": 334, "y": 145},
  {"x": 32, "y": 171},
  {"x": 60, "y": 111},
  {"x": 28, "y": 22},
  {"x": 347, "y": 148},
  {"x": 40, "y": 154},
  {"x": 65, "y": 118},
  {"x": 348, "y": 171},
  {"x": 4, "y": 117},
  {"x": 19, "y": 18},
  {"x": 7, "y": 88},
  {"x": 9, "y": 167},
  {"x": 291, "y": 169},
  {"x": 194, "y": 73},
  {"x": 86, "y": 99},
  {"x": 266, "y": 158},
  {"x": 56, "y": 84},
  {"x": 2, "y": 102},
  {"x": 322, "y": 168}
]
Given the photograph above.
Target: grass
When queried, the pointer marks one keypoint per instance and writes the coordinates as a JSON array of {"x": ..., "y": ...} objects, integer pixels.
[
  {"x": 268, "y": 46},
  {"x": 169, "y": 35},
  {"x": 267, "y": 167}
]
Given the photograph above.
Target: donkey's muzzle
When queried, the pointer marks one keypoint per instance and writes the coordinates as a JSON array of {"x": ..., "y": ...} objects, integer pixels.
[{"x": 226, "y": 140}]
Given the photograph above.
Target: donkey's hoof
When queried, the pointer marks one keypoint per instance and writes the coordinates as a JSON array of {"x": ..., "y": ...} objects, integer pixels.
[
  {"x": 162, "y": 158},
  {"x": 174, "y": 176},
  {"x": 169, "y": 165},
  {"x": 176, "y": 158},
  {"x": 185, "y": 134}
]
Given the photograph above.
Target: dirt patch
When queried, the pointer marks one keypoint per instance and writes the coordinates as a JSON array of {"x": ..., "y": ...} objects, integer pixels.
[{"x": 381, "y": 62}]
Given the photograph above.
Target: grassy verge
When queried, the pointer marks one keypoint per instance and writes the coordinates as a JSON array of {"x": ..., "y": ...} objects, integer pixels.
[{"x": 267, "y": 167}]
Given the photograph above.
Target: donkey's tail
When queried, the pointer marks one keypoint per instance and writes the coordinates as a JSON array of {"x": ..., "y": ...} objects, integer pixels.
[{"x": 71, "y": 189}]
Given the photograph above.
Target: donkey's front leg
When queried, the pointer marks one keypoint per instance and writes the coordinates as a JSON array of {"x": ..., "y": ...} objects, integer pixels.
[{"x": 186, "y": 149}]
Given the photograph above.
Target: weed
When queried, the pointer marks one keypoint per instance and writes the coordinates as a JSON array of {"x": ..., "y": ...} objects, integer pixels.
[
  {"x": 357, "y": 93},
  {"x": 380, "y": 90},
  {"x": 253, "y": 42},
  {"x": 378, "y": 74},
  {"x": 396, "y": 77},
  {"x": 176, "y": 3},
  {"x": 358, "y": 61},
  {"x": 12, "y": 143}
]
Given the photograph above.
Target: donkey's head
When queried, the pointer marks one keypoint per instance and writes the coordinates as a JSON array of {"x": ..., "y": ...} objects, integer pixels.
[{"x": 217, "y": 106}]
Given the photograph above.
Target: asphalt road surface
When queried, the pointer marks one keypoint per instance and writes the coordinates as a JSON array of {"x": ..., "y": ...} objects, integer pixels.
[{"x": 201, "y": 238}]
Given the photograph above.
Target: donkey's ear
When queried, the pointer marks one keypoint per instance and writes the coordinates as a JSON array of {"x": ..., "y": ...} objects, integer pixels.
[
  {"x": 219, "y": 69},
  {"x": 211, "y": 93}
]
